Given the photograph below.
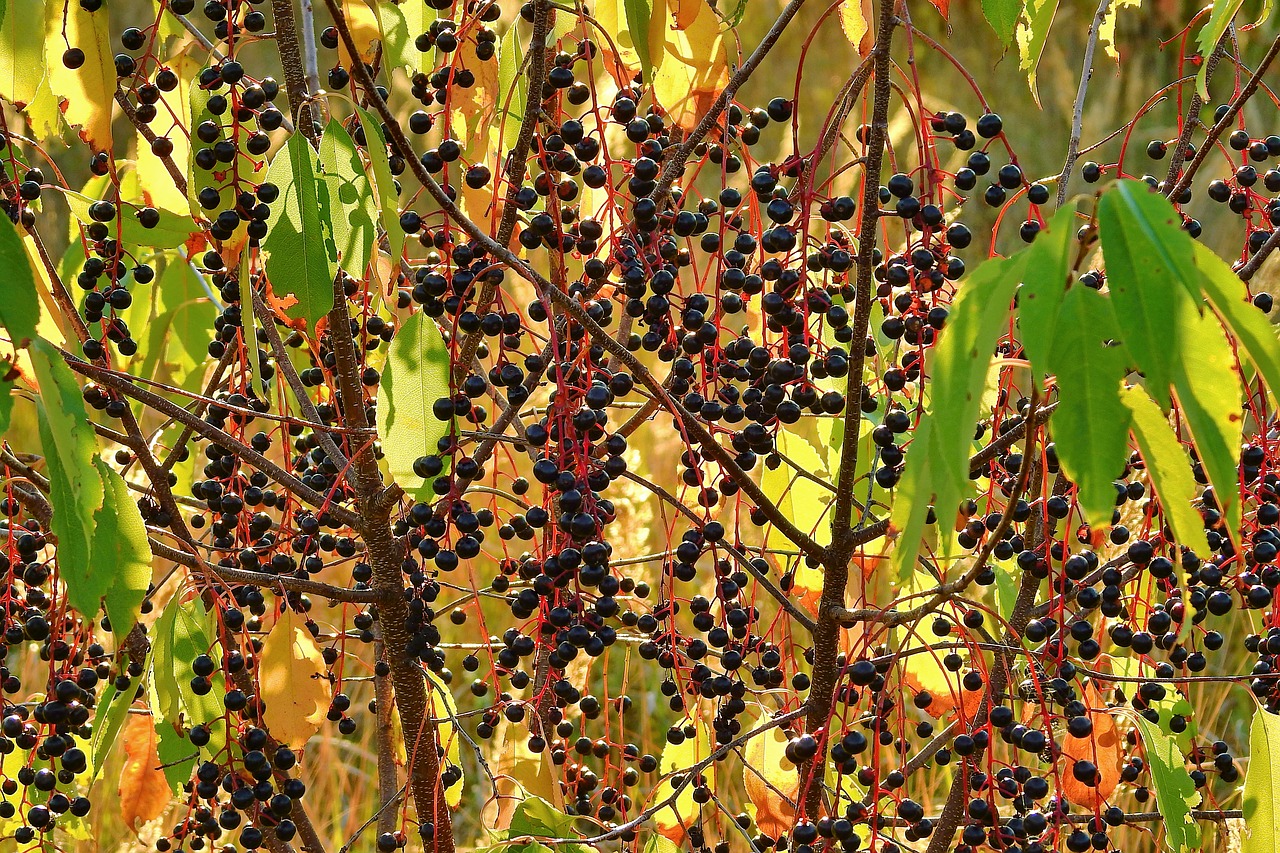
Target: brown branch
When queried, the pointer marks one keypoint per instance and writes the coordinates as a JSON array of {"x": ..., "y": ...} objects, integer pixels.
[
  {"x": 836, "y": 559},
  {"x": 1233, "y": 109},
  {"x": 295, "y": 73}
]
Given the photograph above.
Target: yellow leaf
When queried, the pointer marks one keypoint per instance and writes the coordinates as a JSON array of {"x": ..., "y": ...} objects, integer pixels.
[
  {"x": 144, "y": 790},
  {"x": 772, "y": 782},
  {"x": 444, "y": 708},
  {"x": 519, "y": 773},
  {"x": 293, "y": 682},
  {"x": 674, "y": 821},
  {"x": 854, "y": 18},
  {"x": 86, "y": 93},
  {"x": 21, "y": 65},
  {"x": 1107, "y": 32},
  {"x": 693, "y": 68},
  {"x": 173, "y": 121}
]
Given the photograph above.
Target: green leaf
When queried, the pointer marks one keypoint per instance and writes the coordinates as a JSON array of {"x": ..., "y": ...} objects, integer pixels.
[
  {"x": 535, "y": 816},
  {"x": 21, "y": 54},
  {"x": 1032, "y": 33},
  {"x": 346, "y": 199},
  {"x": 1148, "y": 259},
  {"x": 1262, "y": 786},
  {"x": 183, "y": 631},
  {"x": 416, "y": 375},
  {"x": 639, "y": 12},
  {"x": 1247, "y": 324},
  {"x": 172, "y": 230},
  {"x": 1210, "y": 34},
  {"x": 793, "y": 490},
  {"x": 75, "y": 489},
  {"x": 120, "y": 554},
  {"x": 513, "y": 87},
  {"x": 6, "y": 401},
  {"x": 1049, "y": 264},
  {"x": 1169, "y": 468},
  {"x": 108, "y": 720},
  {"x": 388, "y": 201},
  {"x": 1003, "y": 16},
  {"x": 1090, "y": 425},
  {"x": 302, "y": 257},
  {"x": 20, "y": 307},
  {"x": 1175, "y": 792},
  {"x": 1209, "y": 395},
  {"x": 938, "y": 462}
]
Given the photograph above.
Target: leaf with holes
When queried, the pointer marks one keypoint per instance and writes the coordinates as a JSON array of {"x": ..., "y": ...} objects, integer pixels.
[{"x": 1031, "y": 34}]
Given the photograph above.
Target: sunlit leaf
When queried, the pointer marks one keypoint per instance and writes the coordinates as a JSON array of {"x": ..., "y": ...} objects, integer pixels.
[
  {"x": 87, "y": 93},
  {"x": 384, "y": 181},
  {"x": 1250, "y": 327},
  {"x": 346, "y": 200},
  {"x": 674, "y": 820},
  {"x": 1032, "y": 34},
  {"x": 184, "y": 631},
  {"x": 1107, "y": 31},
  {"x": 20, "y": 307},
  {"x": 937, "y": 467},
  {"x": 1169, "y": 468},
  {"x": 1223, "y": 12},
  {"x": 302, "y": 257},
  {"x": 772, "y": 782},
  {"x": 120, "y": 556},
  {"x": 1261, "y": 802},
  {"x": 693, "y": 68},
  {"x": 108, "y": 720},
  {"x": 416, "y": 376},
  {"x": 143, "y": 790},
  {"x": 1175, "y": 792},
  {"x": 855, "y": 20},
  {"x": 1209, "y": 396},
  {"x": 444, "y": 708},
  {"x": 293, "y": 681}
]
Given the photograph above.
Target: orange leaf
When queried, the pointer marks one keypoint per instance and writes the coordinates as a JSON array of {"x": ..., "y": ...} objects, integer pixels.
[
  {"x": 855, "y": 18},
  {"x": 674, "y": 821},
  {"x": 293, "y": 681},
  {"x": 1102, "y": 747},
  {"x": 144, "y": 790},
  {"x": 686, "y": 11},
  {"x": 943, "y": 7}
]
